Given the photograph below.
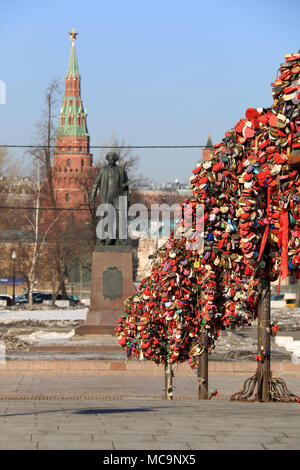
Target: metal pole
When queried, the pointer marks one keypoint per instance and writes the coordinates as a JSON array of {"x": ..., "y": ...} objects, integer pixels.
[
  {"x": 264, "y": 341},
  {"x": 298, "y": 294},
  {"x": 80, "y": 278},
  {"x": 168, "y": 370},
  {"x": 203, "y": 368},
  {"x": 168, "y": 382},
  {"x": 14, "y": 283}
]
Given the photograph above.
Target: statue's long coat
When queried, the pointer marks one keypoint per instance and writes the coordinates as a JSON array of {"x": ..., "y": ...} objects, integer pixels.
[{"x": 120, "y": 184}]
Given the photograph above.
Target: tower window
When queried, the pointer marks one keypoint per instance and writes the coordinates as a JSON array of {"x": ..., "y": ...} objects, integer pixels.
[
  {"x": 67, "y": 197},
  {"x": 82, "y": 161},
  {"x": 69, "y": 149},
  {"x": 69, "y": 161}
]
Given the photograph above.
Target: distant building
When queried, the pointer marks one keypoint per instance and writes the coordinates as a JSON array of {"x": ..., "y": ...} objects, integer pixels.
[
  {"x": 17, "y": 190},
  {"x": 208, "y": 151}
]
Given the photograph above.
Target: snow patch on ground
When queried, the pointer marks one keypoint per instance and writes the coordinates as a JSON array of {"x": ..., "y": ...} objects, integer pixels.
[
  {"x": 7, "y": 316},
  {"x": 41, "y": 337}
]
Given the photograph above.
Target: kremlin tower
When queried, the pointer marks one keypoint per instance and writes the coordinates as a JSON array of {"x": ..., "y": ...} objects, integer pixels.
[
  {"x": 208, "y": 151},
  {"x": 72, "y": 172}
]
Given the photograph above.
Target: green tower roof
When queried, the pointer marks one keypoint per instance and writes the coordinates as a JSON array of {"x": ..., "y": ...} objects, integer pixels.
[
  {"x": 73, "y": 66},
  {"x": 209, "y": 143},
  {"x": 72, "y": 113}
]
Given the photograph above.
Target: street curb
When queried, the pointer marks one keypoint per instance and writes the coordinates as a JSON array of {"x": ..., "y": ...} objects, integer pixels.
[
  {"x": 80, "y": 396},
  {"x": 107, "y": 367}
]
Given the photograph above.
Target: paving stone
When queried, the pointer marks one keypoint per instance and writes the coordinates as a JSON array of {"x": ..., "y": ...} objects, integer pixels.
[
  {"x": 245, "y": 446},
  {"x": 69, "y": 436},
  {"x": 18, "y": 445},
  {"x": 287, "y": 446},
  {"x": 69, "y": 445},
  {"x": 151, "y": 445}
]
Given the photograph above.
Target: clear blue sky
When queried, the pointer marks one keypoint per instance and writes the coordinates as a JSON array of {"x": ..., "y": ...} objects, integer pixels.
[{"x": 153, "y": 72}]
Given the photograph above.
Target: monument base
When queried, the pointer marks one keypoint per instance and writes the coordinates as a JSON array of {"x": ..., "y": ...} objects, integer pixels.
[
  {"x": 95, "y": 330},
  {"x": 112, "y": 283}
]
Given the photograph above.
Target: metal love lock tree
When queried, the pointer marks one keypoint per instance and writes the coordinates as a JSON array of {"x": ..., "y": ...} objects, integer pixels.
[
  {"x": 251, "y": 191},
  {"x": 160, "y": 321}
]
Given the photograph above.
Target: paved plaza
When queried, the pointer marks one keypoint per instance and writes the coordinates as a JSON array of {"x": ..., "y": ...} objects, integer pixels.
[
  {"x": 148, "y": 424},
  {"x": 51, "y": 401},
  {"x": 118, "y": 421}
]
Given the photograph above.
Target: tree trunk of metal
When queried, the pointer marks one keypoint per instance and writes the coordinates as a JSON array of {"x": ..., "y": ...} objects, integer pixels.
[
  {"x": 268, "y": 388},
  {"x": 168, "y": 381},
  {"x": 264, "y": 341},
  {"x": 298, "y": 294},
  {"x": 203, "y": 369},
  {"x": 14, "y": 283}
]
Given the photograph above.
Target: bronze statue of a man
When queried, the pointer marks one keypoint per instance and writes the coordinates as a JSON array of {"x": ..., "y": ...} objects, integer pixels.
[{"x": 112, "y": 182}]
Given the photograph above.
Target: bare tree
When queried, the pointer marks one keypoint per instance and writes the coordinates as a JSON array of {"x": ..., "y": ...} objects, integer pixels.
[
  {"x": 42, "y": 154},
  {"x": 46, "y": 133},
  {"x": 128, "y": 159},
  {"x": 39, "y": 238},
  {"x": 9, "y": 166},
  {"x": 5, "y": 161}
]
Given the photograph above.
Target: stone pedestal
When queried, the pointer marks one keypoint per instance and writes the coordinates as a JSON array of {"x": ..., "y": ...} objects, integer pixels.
[{"x": 112, "y": 283}]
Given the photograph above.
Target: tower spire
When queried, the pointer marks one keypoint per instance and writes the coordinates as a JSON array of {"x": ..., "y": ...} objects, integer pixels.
[
  {"x": 73, "y": 66},
  {"x": 72, "y": 161},
  {"x": 72, "y": 114},
  {"x": 208, "y": 151},
  {"x": 209, "y": 143}
]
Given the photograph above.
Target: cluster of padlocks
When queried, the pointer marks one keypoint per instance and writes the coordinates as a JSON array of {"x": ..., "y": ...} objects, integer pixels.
[{"x": 250, "y": 191}]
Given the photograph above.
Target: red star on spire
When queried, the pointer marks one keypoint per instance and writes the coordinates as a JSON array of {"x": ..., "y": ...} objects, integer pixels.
[{"x": 73, "y": 35}]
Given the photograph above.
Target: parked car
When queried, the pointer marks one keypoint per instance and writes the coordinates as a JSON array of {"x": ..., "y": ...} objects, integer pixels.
[
  {"x": 40, "y": 297},
  {"x": 8, "y": 298},
  {"x": 74, "y": 299},
  {"x": 23, "y": 298}
]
